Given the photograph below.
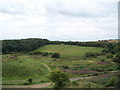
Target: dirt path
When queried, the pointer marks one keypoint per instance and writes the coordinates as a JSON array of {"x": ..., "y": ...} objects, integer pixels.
[
  {"x": 31, "y": 86},
  {"x": 47, "y": 66},
  {"x": 45, "y": 84}
]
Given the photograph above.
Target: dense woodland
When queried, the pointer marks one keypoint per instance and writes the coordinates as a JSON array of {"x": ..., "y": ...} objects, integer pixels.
[
  {"x": 27, "y": 45},
  {"x": 23, "y": 45}
]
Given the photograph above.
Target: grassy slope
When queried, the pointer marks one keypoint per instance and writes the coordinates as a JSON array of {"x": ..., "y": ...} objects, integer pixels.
[
  {"x": 17, "y": 71},
  {"x": 22, "y": 68}
]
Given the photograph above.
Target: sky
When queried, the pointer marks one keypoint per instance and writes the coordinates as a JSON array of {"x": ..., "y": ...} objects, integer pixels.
[{"x": 63, "y": 20}]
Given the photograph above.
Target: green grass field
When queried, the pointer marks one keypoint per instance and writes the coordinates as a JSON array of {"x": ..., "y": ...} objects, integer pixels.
[
  {"x": 16, "y": 71},
  {"x": 69, "y": 51}
]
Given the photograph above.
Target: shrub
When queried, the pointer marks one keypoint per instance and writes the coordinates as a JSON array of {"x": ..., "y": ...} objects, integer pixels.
[
  {"x": 102, "y": 60},
  {"x": 56, "y": 55},
  {"x": 65, "y": 67},
  {"x": 25, "y": 83},
  {"x": 104, "y": 51},
  {"x": 51, "y": 53},
  {"x": 90, "y": 54},
  {"x": 113, "y": 51},
  {"x": 45, "y": 53},
  {"x": 30, "y": 80},
  {"x": 109, "y": 55}
]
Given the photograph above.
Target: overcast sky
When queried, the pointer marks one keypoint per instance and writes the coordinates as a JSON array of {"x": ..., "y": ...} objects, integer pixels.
[{"x": 78, "y": 20}]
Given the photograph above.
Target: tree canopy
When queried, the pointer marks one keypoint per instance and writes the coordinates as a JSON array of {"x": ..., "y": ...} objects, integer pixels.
[{"x": 60, "y": 78}]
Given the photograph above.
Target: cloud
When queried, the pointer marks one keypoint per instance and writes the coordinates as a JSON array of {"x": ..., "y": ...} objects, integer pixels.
[{"x": 80, "y": 20}]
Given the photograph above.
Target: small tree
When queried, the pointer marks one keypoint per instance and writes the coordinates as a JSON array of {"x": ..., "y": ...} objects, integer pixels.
[
  {"x": 56, "y": 55},
  {"x": 60, "y": 78}
]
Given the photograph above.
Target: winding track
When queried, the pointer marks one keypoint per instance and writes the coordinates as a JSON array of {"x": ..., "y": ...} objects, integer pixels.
[{"x": 47, "y": 66}]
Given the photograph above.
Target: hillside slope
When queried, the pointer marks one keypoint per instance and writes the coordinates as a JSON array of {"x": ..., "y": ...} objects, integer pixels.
[{"x": 69, "y": 51}]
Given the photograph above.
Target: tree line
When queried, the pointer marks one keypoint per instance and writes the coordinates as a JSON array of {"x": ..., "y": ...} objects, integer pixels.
[
  {"x": 27, "y": 45},
  {"x": 23, "y": 45}
]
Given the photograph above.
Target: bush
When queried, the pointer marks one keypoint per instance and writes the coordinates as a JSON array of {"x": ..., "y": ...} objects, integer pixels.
[
  {"x": 91, "y": 54},
  {"x": 30, "y": 80},
  {"x": 45, "y": 53},
  {"x": 109, "y": 55},
  {"x": 104, "y": 51},
  {"x": 51, "y": 53},
  {"x": 113, "y": 51},
  {"x": 65, "y": 67},
  {"x": 102, "y": 60},
  {"x": 56, "y": 55}
]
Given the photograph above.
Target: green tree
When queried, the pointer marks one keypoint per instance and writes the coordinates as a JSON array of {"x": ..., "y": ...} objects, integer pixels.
[{"x": 60, "y": 78}]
